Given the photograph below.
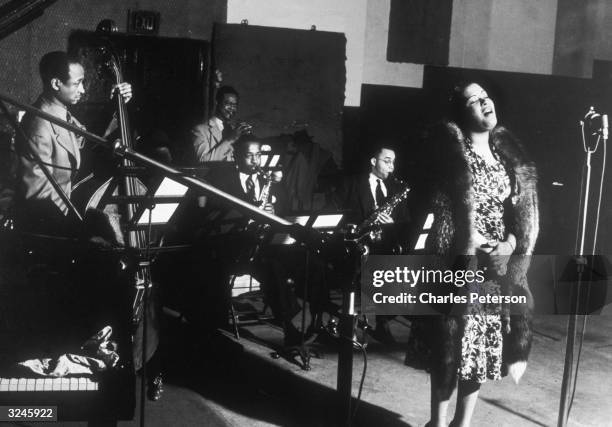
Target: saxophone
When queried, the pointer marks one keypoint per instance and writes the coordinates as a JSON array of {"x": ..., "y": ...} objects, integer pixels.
[
  {"x": 386, "y": 208},
  {"x": 264, "y": 194},
  {"x": 255, "y": 233}
]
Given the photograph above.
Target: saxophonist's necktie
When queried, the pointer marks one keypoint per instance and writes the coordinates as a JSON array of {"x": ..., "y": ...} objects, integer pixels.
[
  {"x": 250, "y": 189},
  {"x": 380, "y": 197}
]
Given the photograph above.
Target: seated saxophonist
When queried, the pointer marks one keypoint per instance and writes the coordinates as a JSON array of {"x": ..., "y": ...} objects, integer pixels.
[
  {"x": 268, "y": 265},
  {"x": 372, "y": 201}
]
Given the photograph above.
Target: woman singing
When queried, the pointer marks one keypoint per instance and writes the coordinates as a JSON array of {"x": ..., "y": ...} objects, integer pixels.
[{"x": 485, "y": 204}]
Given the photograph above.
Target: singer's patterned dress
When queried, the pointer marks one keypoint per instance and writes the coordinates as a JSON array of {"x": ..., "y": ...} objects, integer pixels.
[{"x": 481, "y": 343}]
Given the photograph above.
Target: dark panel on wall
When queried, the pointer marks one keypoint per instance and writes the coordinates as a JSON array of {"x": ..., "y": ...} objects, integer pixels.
[
  {"x": 419, "y": 31},
  {"x": 169, "y": 78},
  {"x": 391, "y": 114},
  {"x": 287, "y": 79}
]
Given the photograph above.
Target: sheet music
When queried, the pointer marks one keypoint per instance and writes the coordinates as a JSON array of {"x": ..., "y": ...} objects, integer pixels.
[{"x": 162, "y": 212}]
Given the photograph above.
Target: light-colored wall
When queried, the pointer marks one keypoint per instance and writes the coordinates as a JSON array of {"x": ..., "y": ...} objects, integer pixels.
[
  {"x": 377, "y": 70},
  {"x": 344, "y": 16},
  {"x": 517, "y": 35},
  {"x": 502, "y": 35}
]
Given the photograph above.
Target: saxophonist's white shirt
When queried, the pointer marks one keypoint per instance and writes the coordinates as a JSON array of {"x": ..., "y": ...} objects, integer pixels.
[{"x": 243, "y": 179}]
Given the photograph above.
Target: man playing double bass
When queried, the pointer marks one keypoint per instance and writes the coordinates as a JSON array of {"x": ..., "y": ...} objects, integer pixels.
[
  {"x": 40, "y": 205},
  {"x": 41, "y": 208}
]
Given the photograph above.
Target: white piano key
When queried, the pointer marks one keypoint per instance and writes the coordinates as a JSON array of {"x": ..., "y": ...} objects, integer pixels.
[{"x": 47, "y": 384}]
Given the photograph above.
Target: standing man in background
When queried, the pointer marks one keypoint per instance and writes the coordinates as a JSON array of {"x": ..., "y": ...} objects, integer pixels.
[{"x": 214, "y": 139}]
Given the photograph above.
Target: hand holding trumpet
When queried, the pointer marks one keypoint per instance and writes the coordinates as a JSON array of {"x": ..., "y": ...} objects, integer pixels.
[{"x": 235, "y": 132}]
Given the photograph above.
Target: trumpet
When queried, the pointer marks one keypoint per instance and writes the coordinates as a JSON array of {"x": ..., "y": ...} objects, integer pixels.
[{"x": 243, "y": 128}]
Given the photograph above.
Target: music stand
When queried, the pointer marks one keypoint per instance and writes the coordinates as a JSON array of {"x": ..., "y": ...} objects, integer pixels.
[
  {"x": 154, "y": 208},
  {"x": 326, "y": 223}
]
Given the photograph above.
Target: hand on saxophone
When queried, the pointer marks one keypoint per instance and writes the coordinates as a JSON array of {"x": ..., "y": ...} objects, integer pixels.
[
  {"x": 269, "y": 207},
  {"x": 383, "y": 218}
]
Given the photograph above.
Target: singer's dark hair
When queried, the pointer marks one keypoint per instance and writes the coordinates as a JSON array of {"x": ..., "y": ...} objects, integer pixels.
[{"x": 457, "y": 111}]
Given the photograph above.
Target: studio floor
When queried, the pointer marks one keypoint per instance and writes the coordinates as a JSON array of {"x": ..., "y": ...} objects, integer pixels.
[{"x": 229, "y": 382}]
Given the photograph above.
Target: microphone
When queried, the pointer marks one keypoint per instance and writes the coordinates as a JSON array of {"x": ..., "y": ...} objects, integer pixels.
[
  {"x": 591, "y": 116},
  {"x": 596, "y": 123}
]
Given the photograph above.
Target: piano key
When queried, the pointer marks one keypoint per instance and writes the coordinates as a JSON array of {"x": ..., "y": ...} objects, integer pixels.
[
  {"x": 47, "y": 384},
  {"x": 91, "y": 385}
]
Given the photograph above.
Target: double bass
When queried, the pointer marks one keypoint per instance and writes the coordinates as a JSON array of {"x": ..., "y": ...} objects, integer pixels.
[{"x": 121, "y": 216}]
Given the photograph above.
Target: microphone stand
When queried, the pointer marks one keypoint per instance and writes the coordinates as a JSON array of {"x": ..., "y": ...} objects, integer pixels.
[{"x": 575, "y": 292}]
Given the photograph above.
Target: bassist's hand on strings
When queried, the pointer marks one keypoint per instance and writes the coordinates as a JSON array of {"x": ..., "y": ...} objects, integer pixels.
[{"x": 125, "y": 89}]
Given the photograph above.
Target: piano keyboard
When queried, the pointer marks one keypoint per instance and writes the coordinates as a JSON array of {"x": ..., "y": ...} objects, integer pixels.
[{"x": 47, "y": 384}]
